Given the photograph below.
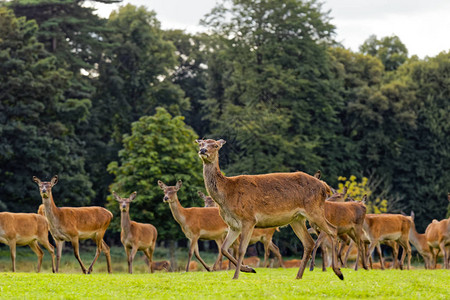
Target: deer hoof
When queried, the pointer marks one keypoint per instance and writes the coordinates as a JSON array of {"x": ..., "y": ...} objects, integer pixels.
[{"x": 247, "y": 269}]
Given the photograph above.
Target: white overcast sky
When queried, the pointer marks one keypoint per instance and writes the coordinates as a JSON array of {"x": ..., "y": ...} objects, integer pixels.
[{"x": 422, "y": 25}]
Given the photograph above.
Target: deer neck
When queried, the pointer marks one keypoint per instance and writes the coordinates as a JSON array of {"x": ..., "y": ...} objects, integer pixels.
[
  {"x": 417, "y": 239},
  {"x": 214, "y": 180},
  {"x": 178, "y": 211},
  {"x": 125, "y": 222},
  {"x": 52, "y": 212}
]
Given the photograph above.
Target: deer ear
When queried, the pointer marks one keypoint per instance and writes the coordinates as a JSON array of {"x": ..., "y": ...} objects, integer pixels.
[
  {"x": 412, "y": 215},
  {"x": 198, "y": 141},
  {"x": 221, "y": 142},
  {"x": 54, "y": 180},
  {"x": 178, "y": 185},
  {"x": 162, "y": 185},
  {"x": 364, "y": 199},
  {"x": 318, "y": 174},
  {"x": 116, "y": 197},
  {"x": 133, "y": 196},
  {"x": 37, "y": 180}
]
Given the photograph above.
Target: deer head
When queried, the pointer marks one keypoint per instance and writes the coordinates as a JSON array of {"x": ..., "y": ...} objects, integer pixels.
[
  {"x": 209, "y": 149},
  {"x": 170, "y": 192},
  {"x": 209, "y": 202},
  {"x": 124, "y": 203},
  {"x": 45, "y": 188}
]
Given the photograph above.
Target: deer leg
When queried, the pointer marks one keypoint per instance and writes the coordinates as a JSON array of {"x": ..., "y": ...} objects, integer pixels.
[
  {"x": 276, "y": 251},
  {"x": 45, "y": 243},
  {"x": 107, "y": 252},
  {"x": 149, "y": 253},
  {"x": 191, "y": 252},
  {"x": 197, "y": 255},
  {"x": 372, "y": 246},
  {"x": 246, "y": 234},
  {"x": 299, "y": 228},
  {"x": 133, "y": 252},
  {"x": 36, "y": 249},
  {"x": 347, "y": 254},
  {"x": 229, "y": 240},
  {"x": 76, "y": 252},
  {"x": 444, "y": 252},
  {"x": 266, "y": 262},
  {"x": 218, "y": 262},
  {"x": 59, "y": 246},
  {"x": 98, "y": 250},
  {"x": 316, "y": 245},
  {"x": 12, "y": 250},
  {"x": 324, "y": 253},
  {"x": 380, "y": 253},
  {"x": 331, "y": 231},
  {"x": 397, "y": 263}
]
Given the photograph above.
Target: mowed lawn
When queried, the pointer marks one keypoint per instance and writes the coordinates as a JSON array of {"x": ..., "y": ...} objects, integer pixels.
[{"x": 265, "y": 284}]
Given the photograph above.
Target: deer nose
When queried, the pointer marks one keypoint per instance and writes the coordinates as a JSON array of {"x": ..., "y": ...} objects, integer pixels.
[
  {"x": 203, "y": 151},
  {"x": 166, "y": 198}
]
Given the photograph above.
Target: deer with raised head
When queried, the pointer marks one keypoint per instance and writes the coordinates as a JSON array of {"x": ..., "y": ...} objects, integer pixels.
[
  {"x": 74, "y": 224},
  {"x": 133, "y": 235},
  {"x": 264, "y": 201},
  {"x": 388, "y": 227},
  {"x": 438, "y": 239},
  {"x": 202, "y": 223},
  {"x": 21, "y": 229},
  {"x": 419, "y": 240},
  {"x": 263, "y": 235}
]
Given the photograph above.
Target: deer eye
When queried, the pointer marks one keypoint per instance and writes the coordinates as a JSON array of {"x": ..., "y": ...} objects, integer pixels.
[{"x": 216, "y": 146}]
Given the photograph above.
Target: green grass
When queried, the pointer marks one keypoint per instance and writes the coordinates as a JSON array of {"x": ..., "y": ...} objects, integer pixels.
[{"x": 266, "y": 283}]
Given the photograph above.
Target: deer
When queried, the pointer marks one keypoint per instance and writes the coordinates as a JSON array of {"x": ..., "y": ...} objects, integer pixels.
[
  {"x": 263, "y": 235},
  {"x": 202, "y": 223},
  {"x": 388, "y": 227},
  {"x": 438, "y": 237},
  {"x": 74, "y": 224},
  {"x": 419, "y": 240},
  {"x": 264, "y": 201},
  {"x": 161, "y": 265},
  {"x": 348, "y": 217},
  {"x": 133, "y": 235},
  {"x": 21, "y": 229}
]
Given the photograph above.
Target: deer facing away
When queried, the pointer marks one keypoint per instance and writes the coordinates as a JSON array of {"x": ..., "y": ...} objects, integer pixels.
[
  {"x": 21, "y": 229},
  {"x": 135, "y": 236},
  {"x": 74, "y": 224},
  {"x": 263, "y": 201}
]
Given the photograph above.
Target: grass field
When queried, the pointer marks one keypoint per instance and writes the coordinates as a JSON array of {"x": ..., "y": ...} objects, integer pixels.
[{"x": 266, "y": 283}]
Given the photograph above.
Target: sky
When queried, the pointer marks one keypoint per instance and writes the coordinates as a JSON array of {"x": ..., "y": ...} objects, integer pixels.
[{"x": 423, "y": 26}]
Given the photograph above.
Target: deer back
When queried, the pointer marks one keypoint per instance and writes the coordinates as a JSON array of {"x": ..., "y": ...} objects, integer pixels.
[
  {"x": 24, "y": 227},
  {"x": 145, "y": 233},
  {"x": 84, "y": 219},
  {"x": 345, "y": 213}
]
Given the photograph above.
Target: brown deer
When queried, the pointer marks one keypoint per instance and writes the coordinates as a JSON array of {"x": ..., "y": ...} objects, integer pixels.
[
  {"x": 263, "y": 235},
  {"x": 202, "y": 223},
  {"x": 292, "y": 263},
  {"x": 264, "y": 201},
  {"x": 135, "y": 236},
  {"x": 348, "y": 217},
  {"x": 392, "y": 227},
  {"x": 419, "y": 240},
  {"x": 438, "y": 237},
  {"x": 21, "y": 229},
  {"x": 74, "y": 224},
  {"x": 161, "y": 265}
]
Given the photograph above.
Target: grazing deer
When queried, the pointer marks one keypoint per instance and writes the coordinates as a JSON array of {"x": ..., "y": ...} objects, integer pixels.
[
  {"x": 161, "y": 265},
  {"x": 263, "y": 201},
  {"x": 202, "y": 223},
  {"x": 419, "y": 240},
  {"x": 292, "y": 263},
  {"x": 135, "y": 236},
  {"x": 392, "y": 227},
  {"x": 74, "y": 224},
  {"x": 263, "y": 235},
  {"x": 438, "y": 237},
  {"x": 21, "y": 229}
]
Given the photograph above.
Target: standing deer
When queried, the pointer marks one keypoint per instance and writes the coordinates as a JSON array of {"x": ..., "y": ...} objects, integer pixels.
[
  {"x": 21, "y": 229},
  {"x": 392, "y": 227},
  {"x": 263, "y": 201},
  {"x": 202, "y": 223},
  {"x": 438, "y": 237},
  {"x": 263, "y": 235},
  {"x": 74, "y": 224},
  {"x": 419, "y": 240},
  {"x": 135, "y": 236}
]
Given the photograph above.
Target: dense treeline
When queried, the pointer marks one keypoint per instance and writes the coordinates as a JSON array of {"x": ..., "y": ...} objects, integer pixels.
[{"x": 114, "y": 104}]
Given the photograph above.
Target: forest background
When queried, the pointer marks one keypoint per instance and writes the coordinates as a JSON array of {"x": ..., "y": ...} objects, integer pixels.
[{"x": 116, "y": 104}]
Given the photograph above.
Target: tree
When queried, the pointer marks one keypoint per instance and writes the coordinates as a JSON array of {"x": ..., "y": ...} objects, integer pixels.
[
  {"x": 36, "y": 121},
  {"x": 160, "y": 147},
  {"x": 269, "y": 92},
  {"x": 390, "y": 50}
]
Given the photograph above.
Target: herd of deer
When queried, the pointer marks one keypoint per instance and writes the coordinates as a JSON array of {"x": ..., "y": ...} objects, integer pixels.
[{"x": 251, "y": 207}]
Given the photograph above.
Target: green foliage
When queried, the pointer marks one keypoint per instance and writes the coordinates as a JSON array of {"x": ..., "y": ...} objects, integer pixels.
[
  {"x": 159, "y": 148},
  {"x": 37, "y": 121},
  {"x": 219, "y": 285},
  {"x": 390, "y": 50}
]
